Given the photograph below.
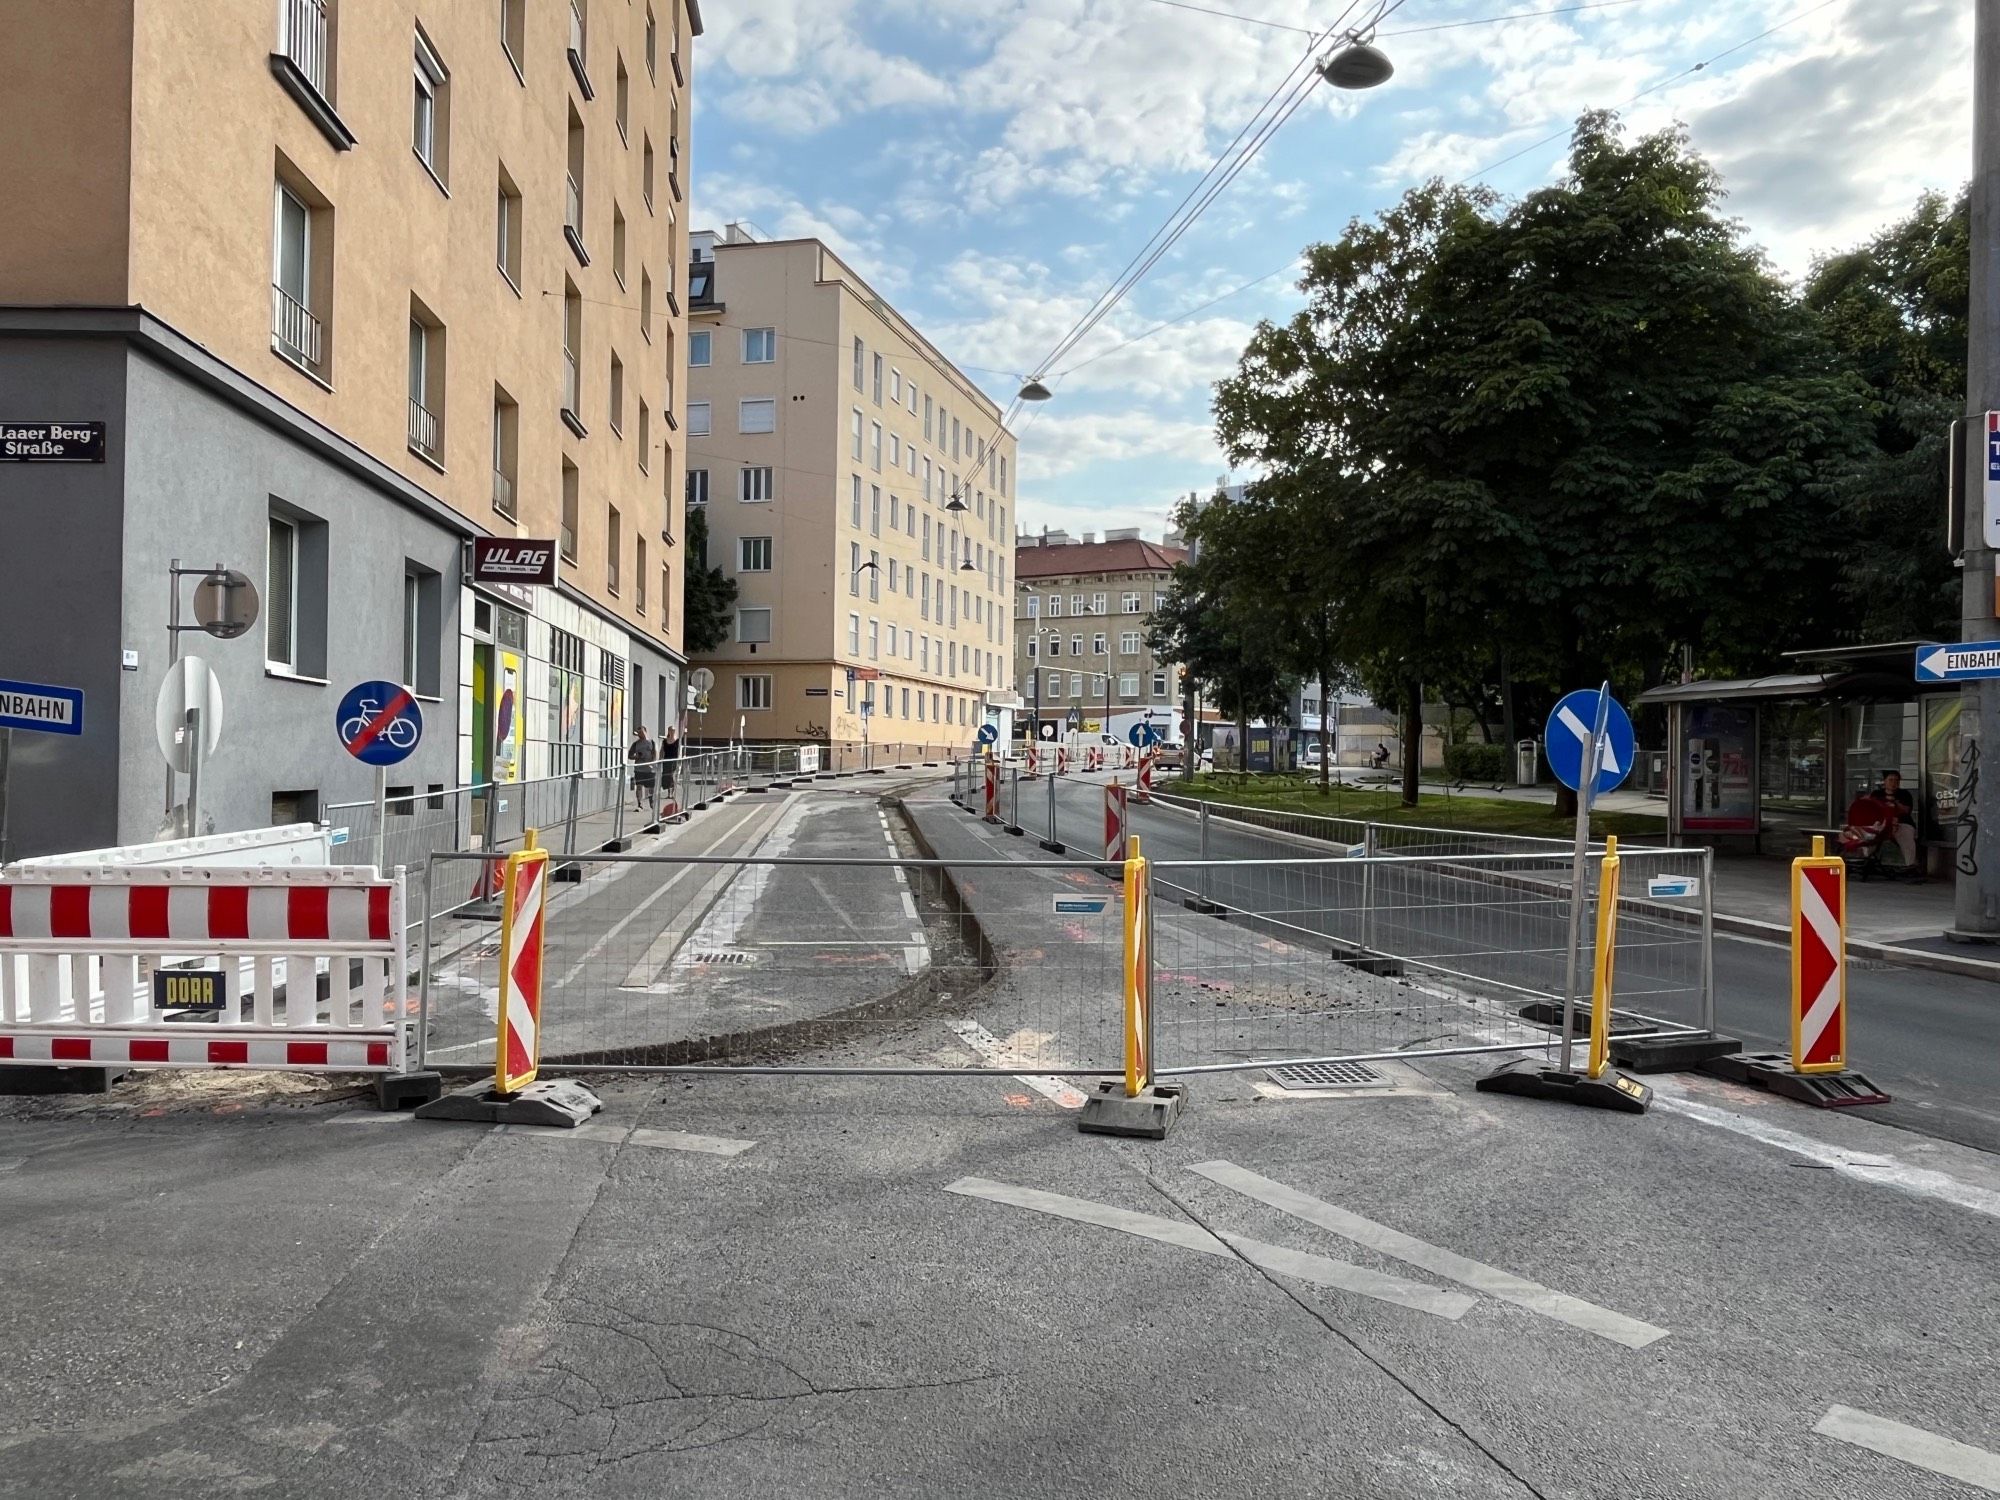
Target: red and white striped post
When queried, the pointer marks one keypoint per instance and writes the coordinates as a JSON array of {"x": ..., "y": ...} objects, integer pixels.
[
  {"x": 518, "y": 1055},
  {"x": 1144, "y": 790},
  {"x": 1114, "y": 822},
  {"x": 1034, "y": 767},
  {"x": 1819, "y": 962},
  {"x": 1062, "y": 760}
]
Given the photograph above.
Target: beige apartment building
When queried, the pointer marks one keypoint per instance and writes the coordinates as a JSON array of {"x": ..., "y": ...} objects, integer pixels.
[
  {"x": 1085, "y": 606},
  {"x": 338, "y": 286},
  {"x": 859, "y": 489}
]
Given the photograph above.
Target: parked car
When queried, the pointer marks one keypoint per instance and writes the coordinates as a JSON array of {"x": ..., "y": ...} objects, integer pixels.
[
  {"x": 1311, "y": 756},
  {"x": 1169, "y": 757}
]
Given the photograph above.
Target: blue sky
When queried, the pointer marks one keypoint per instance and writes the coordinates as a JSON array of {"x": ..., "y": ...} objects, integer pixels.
[{"x": 991, "y": 165}]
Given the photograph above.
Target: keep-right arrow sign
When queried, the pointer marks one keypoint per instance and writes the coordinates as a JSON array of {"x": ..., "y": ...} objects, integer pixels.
[{"x": 1960, "y": 663}]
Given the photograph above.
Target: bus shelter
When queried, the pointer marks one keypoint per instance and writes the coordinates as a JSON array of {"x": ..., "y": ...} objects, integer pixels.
[{"x": 1766, "y": 762}]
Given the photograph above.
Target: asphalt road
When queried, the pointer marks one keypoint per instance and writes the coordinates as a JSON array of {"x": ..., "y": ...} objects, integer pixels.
[{"x": 1929, "y": 1039}]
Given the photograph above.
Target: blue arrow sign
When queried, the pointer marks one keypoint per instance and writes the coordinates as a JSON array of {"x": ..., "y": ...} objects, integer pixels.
[
  {"x": 379, "y": 723},
  {"x": 1143, "y": 735},
  {"x": 41, "y": 707},
  {"x": 1567, "y": 738},
  {"x": 988, "y": 734},
  {"x": 1964, "y": 663}
]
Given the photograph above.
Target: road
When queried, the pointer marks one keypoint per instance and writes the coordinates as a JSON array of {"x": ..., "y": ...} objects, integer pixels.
[{"x": 1928, "y": 1039}]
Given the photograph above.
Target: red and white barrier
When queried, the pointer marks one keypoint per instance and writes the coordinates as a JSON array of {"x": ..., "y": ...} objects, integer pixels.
[
  {"x": 88, "y": 958},
  {"x": 1144, "y": 790},
  {"x": 992, "y": 790},
  {"x": 1114, "y": 823},
  {"x": 1062, "y": 760},
  {"x": 522, "y": 935},
  {"x": 1033, "y": 768},
  {"x": 1819, "y": 965}
]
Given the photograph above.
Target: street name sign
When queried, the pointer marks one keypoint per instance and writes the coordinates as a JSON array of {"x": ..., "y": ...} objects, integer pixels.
[
  {"x": 1960, "y": 663},
  {"x": 52, "y": 442},
  {"x": 42, "y": 707},
  {"x": 1567, "y": 738}
]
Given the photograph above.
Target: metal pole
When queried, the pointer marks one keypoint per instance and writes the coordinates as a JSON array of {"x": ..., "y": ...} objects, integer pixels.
[
  {"x": 1052, "y": 805},
  {"x": 1013, "y": 816},
  {"x": 1202, "y": 876},
  {"x": 6, "y": 771},
  {"x": 424, "y": 972},
  {"x": 1708, "y": 941},
  {"x": 569, "y": 826},
  {"x": 1370, "y": 846},
  {"x": 1976, "y": 895},
  {"x": 381, "y": 811},
  {"x": 491, "y": 837},
  {"x": 193, "y": 731},
  {"x": 1579, "y": 873},
  {"x": 173, "y": 644}
]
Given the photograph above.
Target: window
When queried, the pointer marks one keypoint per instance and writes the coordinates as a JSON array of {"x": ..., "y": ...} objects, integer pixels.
[
  {"x": 1076, "y": 645},
  {"x": 295, "y": 593},
  {"x": 760, "y": 346},
  {"x": 927, "y": 414},
  {"x": 911, "y": 390},
  {"x": 754, "y": 484},
  {"x": 430, "y": 126},
  {"x": 1034, "y": 606},
  {"x": 906, "y": 700},
  {"x": 1055, "y": 605},
  {"x": 895, "y": 451},
  {"x": 753, "y": 628},
  {"x": 1003, "y": 478},
  {"x": 281, "y": 571},
  {"x": 1128, "y": 685},
  {"x": 759, "y": 414},
  {"x": 579, "y": 38},
  {"x": 569, "y": 509},
  {"x": 1128, "y": 643},
  {"x": 507, "y": 231},
  {"x": 874, "y": 574},
  {"x": 1099, "y": 603},
  {"x": 1056, "y": 685},
  {"x": 621, "y": 100},
  {"x": 878, "y": 380},
  {"x": 645, "y": 439},
  {"x": 854, "y": 502},
  {"x": 653, "y": 42},
  {"x": 753, "y": 554},
  {"x": 753, "y": 691},
  {"x": 506, "y": 451},
  {"x": 927, "y": 538},
  {"x": 572, "y": 394},
  {"x": 614, "y": 549},
  {"x": 301, "y": 280},
  {"x": 954, "y": 441},
  {"x": 639, "y": 580},
  {"x": 1129, "y": 603},
  {"x": 875, "y": 446},
  {"x": 618, "y": 244},
  {"x": 894, "y": 568},
  {"x": 426, "y": 383},
  {"x": 697, "y": 488},
  {"x": 874, "y": 510},
  {"x": 697, "y": 419},
  {"x": 698, "y": 349},
  {"x": 1076, "y": 604},
  {"x": 854, "y": 435},
  {"x": 895, "y": 387},
  {"x": 924, "y": 595},
  {"x": 854, "y": 635},
  {"x": 1159, "y": 684},
  {"x": 573, "y": 194},
  {"x": 646, "y": 174},
  {"x": 513, "y": 31},
  {"x": 1055, "y": 644},
  {"x": 1075, "y": 686},
  {"x": 646, "y": 304},
  {"x": 617, "y": 394},
  {"x": 1034, "y": 648},
  {"x": 860, "y": 362},
  {"x": 854, "y": 569}
]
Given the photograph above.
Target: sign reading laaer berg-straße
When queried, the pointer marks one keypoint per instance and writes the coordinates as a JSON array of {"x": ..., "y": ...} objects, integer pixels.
[{"x": 52, "y": 442}]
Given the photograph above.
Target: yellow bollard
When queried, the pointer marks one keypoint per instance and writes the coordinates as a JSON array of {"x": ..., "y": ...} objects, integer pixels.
[
  {"x": 1607, "y": 944},
  {"x": 1138, "y": 977}
]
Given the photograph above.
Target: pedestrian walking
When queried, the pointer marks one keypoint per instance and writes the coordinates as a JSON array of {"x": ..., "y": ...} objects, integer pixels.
[
  {"x": 645, "y": 756},
  {"x": 670, "y": 760}
]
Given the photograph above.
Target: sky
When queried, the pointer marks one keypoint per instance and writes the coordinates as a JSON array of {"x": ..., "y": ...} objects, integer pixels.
[{"x": 992, "y": 166}]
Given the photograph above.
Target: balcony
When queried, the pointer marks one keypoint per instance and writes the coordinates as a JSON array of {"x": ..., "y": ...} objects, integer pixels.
[
  {"x": 302, "y": 64},
  {"x": 424, "y": 430},
  {"x": 503, "y": 494},
  {"x": 295, "y": 332}
]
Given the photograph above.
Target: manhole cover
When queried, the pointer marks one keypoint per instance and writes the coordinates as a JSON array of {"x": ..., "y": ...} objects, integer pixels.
[
  {"x": 1326, "y": 1075},
  {"x": 721, "y": 956}
]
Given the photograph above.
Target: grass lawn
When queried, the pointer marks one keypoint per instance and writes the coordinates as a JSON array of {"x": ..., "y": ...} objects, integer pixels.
[{"x": 1435, "y": 809}]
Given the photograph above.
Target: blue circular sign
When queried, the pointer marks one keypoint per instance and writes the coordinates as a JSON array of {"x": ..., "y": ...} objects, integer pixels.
[
  {"x": 379, "y": 723},
  {"x": 988, "y": 734},
  {"x": 1144, "y": 734},
  {"x": 1567, "y": 740}
]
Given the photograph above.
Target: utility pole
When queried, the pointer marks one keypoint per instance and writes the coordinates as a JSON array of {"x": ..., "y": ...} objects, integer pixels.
[{"x": 1976, "y": 904}]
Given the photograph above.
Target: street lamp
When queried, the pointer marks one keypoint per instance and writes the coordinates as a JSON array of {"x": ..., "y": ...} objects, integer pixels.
[
  {"x": 1358, "y": 65},
  {"x": 1034, "y": 390}
]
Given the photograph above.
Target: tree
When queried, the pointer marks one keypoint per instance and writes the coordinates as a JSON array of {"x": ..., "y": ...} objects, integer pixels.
[
  {"x": 1896, "y": 308},
  {"x": 708, "y": 594}
]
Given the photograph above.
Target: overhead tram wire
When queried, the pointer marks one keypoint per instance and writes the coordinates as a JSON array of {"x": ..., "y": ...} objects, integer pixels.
[{"x": 1517, "y": 15}]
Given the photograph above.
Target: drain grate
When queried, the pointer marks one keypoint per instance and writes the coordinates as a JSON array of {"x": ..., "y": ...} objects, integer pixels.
[
  {"x": 1326, "y": 1075},
  {"x": 720, "y": 956}
]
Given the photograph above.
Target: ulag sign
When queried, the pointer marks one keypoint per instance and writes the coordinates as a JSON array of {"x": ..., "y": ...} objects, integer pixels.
[{"x": 514, "y": 560}]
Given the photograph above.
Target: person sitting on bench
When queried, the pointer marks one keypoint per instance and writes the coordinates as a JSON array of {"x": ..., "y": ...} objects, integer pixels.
[{"x": 1903, "y": 831}]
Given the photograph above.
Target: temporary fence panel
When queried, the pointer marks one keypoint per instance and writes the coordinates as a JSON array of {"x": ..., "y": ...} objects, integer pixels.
[
  {"x": 798, "y": 964},
  {"x": 154, "y": 967}
]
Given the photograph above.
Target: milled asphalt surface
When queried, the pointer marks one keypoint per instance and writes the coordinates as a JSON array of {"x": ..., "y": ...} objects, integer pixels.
[
  {"x": 741, "y": 1286},
  {"x": 1929, "y": 1039}
]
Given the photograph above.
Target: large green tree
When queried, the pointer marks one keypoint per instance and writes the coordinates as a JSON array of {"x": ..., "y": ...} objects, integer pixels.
[
  {"x": 708, "y": 594},
  {"x": 1896, "y": 308}
]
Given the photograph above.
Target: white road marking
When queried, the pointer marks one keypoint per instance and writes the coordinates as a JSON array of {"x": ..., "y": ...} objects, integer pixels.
[
  {"x": 999, "y": 1055},
  {"x": 1316, "y": 1270},
  {"x": 1913, "y": 1445},
  {"x": 909, "y": 905},
  {"x": 1503, "y": 1285},
  {"x": 914, "y": 960},
  {"x": 357, "y": 1117},
  {"x": 1867, "y": 1166},
  {"x": 681, "y": 1140}
]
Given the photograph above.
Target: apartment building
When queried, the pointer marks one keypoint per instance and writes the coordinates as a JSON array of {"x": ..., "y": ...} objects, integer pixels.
[
  {"x": 858, "y": 487},
  {"x": 1085, "y": 607},
  {"x": 339, "y": 285}
]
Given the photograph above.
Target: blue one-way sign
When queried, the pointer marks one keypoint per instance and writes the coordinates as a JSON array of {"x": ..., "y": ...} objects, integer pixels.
[
  {"x": 41, "y": 707},
  {"x": 1958, "y": 663}
]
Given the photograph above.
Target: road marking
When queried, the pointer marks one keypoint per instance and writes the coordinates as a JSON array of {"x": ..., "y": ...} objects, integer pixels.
[
  {"x": 681, "y": 1140},
  {"x": 1866, "y": 1166},
  {"x": 1503, "y": 1285},
  {"x": 909, "y": 905},
  {"x": 1926, "y": 1450},
  {"x": 1000, "y": 1055},
  {"x": 725, "y": 900},
  {"x": 1316, "y": 1270}
]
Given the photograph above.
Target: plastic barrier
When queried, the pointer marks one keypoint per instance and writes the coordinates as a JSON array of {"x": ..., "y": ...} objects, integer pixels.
[
  {"x": 1114, "y": 823},
  {"x": 1062, "y": 760},
  {"x": 1093, "y": 758},
  {"x": 257, "y": 848},
  {"x": 992, "y": 790},
  {"x": 1034, "y": 766},
  {"x": 1144, "y": 790},
  {"x": 95, "y": 969},
  {"x": 1137, "y": 1104}
]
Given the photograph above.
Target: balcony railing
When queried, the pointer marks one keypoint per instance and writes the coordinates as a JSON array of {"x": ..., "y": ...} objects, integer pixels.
[
  {"x": 573, "y": 206},
  {"x": 305, "y": 39},
  {"x": 572, "y": 385},
  {"x": 293, "y": 328},
  {"x": 503, "y": 494},
  {"x": 423, "y": 429}
]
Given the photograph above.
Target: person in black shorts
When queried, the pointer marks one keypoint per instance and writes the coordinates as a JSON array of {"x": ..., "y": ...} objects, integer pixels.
[{"x": 644, "y": 755}]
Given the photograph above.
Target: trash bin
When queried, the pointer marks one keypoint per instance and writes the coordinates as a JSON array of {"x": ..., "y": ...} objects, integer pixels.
[{"x": 1524, "y": 763}]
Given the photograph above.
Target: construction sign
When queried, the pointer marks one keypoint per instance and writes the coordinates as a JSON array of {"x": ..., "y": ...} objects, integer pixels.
[{"x": 519, "y": 1053}]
